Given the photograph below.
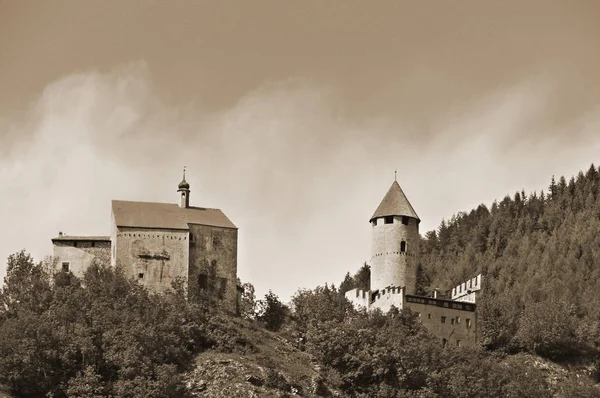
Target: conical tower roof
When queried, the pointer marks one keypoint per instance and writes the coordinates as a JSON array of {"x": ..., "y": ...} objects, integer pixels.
[{"x": 395, "y": 203}]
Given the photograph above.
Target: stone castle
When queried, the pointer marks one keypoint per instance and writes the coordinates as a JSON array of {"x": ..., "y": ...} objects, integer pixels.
[
  {"x": 156, "y": 243},
  {"x": 394, "y": 260}
]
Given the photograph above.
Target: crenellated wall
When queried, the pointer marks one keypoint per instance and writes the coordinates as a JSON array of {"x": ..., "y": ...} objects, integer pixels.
[
  {"x": 359, "y": 298},
  {"x": 467, "y": 291},
  {"x": 155, "y": 257},
  {"x": 384, "y": 299}
]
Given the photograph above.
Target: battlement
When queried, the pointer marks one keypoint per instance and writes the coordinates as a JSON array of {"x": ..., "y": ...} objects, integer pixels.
[
  {"x": 466, "y": 291},
  {"x": 359, "y": 298}
]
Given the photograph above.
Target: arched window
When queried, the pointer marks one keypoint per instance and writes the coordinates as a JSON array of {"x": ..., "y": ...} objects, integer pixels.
[{"x": 403, "y": 247}]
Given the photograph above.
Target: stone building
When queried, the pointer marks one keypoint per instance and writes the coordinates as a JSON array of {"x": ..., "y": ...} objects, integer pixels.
[
  {"x": 75, "y": 253},
  {"x": 394, "y": 260},
  {"x": 157, "y": 243}
]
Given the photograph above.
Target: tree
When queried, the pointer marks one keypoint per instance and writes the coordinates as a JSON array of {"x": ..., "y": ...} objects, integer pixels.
[
  {"x": 248, "y": 301},
  {"x": 272, "y": 312}
]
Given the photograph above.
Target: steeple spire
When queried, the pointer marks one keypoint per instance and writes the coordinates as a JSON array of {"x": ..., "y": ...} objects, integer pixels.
[{"x": 184, "y": 188}]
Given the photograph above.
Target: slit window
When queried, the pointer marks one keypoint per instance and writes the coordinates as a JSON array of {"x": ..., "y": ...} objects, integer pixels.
[
  {"x": 93, "y": 244},
  {"x": 468, "y": 323},
  {"x": 458, "y": 343},
  {"x": 389, "y": 219},
  {"x": 203, "y": 281},
  {"x": 403, "y": 247},
  {"x": 444, "y": 342}
]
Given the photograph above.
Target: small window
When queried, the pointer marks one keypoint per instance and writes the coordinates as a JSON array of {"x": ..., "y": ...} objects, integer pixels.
[
  {"x": 65, "y": 266},
  {"x": 75, "y": 244},
  {"x": 468, "y": 323},
  {"x": 428, "y": 316},
  {"x": 141, "y": 275},
  {"x": 93, "y": 244},
  {"x": 374, "y": 222},
  {"x": 403, "y": 247},
  {"x": 444, "y": 342},
  {"x": 404, "y": 220},
  {"x": 389, "y": 220},
  {"x": 419, "y": 314},
  {"x": 458, "y": 343},
  {"x": 457, "y": 319},
  {"x": 452, "y": 321},
  {"x": 202, "y": 281},
  {"x": 443, "y": 319}
]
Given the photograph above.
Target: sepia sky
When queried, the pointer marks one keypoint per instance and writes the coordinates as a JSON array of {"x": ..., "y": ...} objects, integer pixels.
[{"x": 290, "y": 116}]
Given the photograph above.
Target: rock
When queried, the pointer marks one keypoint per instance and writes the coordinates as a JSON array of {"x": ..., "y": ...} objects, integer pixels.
[{"x": 255, "y": 381}]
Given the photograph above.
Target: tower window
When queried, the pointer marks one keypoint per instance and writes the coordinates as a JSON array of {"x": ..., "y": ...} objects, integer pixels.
[
  {"x": 404, "y": 220},
  {"x": 74, "y": 243},
  {"x": 141, "y": 275},
  {"x": 93, "y": 244},
  {"x": 443, "y": 319},
  {"x": 389, "y": 219},
  {"x": 468, "y": 321},
  {"x": 403, "y": 246},
  {"x": 65, "y": 266}
]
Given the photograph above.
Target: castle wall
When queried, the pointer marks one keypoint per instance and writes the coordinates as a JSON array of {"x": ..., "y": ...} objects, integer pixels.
[
  {"x": 154, "y": 257},
  {"x": 452, "y": 322},
  {"x": 81, "y": 256},
  {"x": 213, "y": 264},
  {"x": 386, "y": 298},
  {"x": 389, "y": 265},
  {"x": 359, "y": 298},
  {"x": 467, "y": 291}
]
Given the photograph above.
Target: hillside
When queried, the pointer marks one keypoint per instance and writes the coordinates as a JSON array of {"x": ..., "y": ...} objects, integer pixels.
[
  {"x": 540, "y": 254},
  {"x": 106, "y": 335}
]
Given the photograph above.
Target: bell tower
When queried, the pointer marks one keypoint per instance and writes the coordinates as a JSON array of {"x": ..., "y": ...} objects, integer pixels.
[
  {"x": 394, "y": 242},
  {"x": 184, "y": 190}
]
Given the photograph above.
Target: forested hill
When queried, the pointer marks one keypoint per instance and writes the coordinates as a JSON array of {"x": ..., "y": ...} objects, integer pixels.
[{"x": 540, "y": 256}]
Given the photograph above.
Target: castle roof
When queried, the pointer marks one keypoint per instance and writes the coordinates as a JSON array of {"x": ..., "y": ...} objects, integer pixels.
[
  {"x": 166, "y": 215},
  {"x": 395, "y": 203}
]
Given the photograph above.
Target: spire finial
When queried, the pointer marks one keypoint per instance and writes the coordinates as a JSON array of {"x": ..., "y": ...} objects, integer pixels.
[
  {"x": 395, "y": 175},
  {"x": 184, "y": 172}
]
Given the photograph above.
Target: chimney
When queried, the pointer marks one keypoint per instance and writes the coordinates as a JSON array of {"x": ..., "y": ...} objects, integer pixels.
[{"x": 60, "y": 234}]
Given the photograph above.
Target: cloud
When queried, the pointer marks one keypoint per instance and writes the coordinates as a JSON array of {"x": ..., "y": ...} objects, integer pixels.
[{"x": 286, "y": 162}]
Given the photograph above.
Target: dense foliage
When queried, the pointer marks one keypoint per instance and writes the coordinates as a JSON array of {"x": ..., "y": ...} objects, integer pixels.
[
  {"x": 103, "y": 335},
  {"x": 540, "y": 256}
]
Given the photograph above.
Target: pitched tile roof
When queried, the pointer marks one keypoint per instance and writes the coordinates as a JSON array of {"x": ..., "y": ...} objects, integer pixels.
[
  {"x": 395, "y": 203},
  {"x": 166, "y": 215},
  {"x": 82, "y": 238}
]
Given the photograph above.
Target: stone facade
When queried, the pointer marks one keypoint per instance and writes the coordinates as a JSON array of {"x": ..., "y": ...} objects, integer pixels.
[
  {"x": 154, "y": 257},
  {"x": 394, "y": 263},
  {"x": 76, "y": 253},
  {"x": 157, "y": 243},
  {"x": 213, "y": 263}
]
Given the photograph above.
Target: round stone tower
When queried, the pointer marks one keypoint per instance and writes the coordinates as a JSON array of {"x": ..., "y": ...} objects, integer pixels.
[{"x": 394, "y": 242}]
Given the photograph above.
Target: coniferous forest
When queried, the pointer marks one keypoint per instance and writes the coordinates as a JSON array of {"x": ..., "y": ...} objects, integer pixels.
[{"x": 107, "y": 336}]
